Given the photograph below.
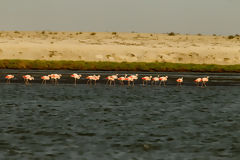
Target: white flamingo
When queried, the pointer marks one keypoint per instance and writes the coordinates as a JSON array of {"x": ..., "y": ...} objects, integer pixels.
[
  {"x": 96, "y": 78},
  {"x": 90, "y": 79},
  {"x": 27, "y": 78},
  {"x": 179, "y": 81},
  {"x": 121, "y": 79},
  {"x": 111, "y": 79},
  {"x": 9, "y": 77},
  {"x": 146, "y": 79},
  {"x": 45, "y": 79},
  {"x": 133, "y": 78},
  {"x": 75, "y": 76},
  {"x": 55, "y": 78},
  {"x": 198, "y": 81},
  {"x": 155, "y": 80},
  {"x": 129, "y": 79},
  {"x": 163, "y": 80},
  {"x": 204, "y": 81}
]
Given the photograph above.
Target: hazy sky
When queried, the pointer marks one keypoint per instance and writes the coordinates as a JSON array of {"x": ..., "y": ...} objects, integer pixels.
[{"x": 160, "y": 16}]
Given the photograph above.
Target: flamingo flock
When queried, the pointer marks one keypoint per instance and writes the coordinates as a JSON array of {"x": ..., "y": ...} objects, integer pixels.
[{"x": 111, "y": 80}]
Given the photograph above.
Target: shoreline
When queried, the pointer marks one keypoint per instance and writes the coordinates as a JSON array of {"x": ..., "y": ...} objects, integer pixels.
[
  {"x": 134, "y": 48},
  {"x": 115, "y": 66}
]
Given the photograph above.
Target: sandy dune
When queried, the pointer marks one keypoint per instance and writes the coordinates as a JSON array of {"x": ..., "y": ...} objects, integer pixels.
[{"x": 118, "y": 47}]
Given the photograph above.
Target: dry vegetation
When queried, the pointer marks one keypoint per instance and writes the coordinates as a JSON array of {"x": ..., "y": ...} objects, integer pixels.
[{"x": 115, "y": 66}]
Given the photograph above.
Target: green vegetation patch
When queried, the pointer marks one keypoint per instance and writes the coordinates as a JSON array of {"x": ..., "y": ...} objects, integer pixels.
[{"x": 115, "y": 66}]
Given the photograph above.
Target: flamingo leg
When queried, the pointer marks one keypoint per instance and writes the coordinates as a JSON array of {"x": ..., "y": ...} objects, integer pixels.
[{"x": 107, "y": 82}]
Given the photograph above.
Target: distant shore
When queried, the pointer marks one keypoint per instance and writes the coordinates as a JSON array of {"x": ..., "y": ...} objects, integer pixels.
[
  {"x": 119, "y": 51},
  {"x": 115, "y": 66}
]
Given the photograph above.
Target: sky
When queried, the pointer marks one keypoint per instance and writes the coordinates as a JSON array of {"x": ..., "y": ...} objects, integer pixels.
[{"x": 221, "y": 17}]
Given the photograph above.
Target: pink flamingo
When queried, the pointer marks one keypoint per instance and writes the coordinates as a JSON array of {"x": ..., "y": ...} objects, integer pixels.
[
  {"x": 198, "y": 81},
  {"x": 75, "y": 76},
  {"x": 96, "y": 78},
  {"x": 133, "y": 78},
  {"x": 146, "y": 79},
  {"x": 9, "y": 77},
  {"x": 121, "y": 79},
  {"x": 129, "y": 79},
  {"x": 27, "y": 78},
  {"x": 89, "y": 79},
  {"x": 111, "y": 79},
  {"x": 204, "y": 81},
  {"x": 179, "y": 81},
  {"x": 51, "y": 76},
  {"x": 155, "y": 80},
  {"x": 92, "y": 78},
  {"x": 45, "y": 79},
  {"x": 163, "y": 80},
  {"x": 55, "y": 78}
]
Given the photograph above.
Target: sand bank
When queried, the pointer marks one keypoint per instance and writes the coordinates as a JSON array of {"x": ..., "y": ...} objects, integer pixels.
[{"x": 120, "y": 47}]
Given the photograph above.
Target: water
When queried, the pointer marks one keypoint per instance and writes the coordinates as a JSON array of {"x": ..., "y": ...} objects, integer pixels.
[{"x": 131, "y": 123}]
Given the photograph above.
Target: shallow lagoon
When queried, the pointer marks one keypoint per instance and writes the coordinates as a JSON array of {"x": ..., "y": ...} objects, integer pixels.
[{"x": 102, "y": 122}]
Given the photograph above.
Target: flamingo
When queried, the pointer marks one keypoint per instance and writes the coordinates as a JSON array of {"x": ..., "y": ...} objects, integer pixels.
[
  {"x": 89, "y": 79},
  {"x": 155, "y": 80},
  {"x": 121, "y": 79},
  {"x": 96, "y": 78},
  {"x": 58, "y": 76},
  {"x": 45, "y": 79},
  {"x": 75, "y": 76},
  {"x": 9, "y": 77},
  {"x": 55, "y": 77},
  {"x": 197, "y": 81},
  {"x": 111, "y": 79},
  {"x": 163, "y": 80},
  {"x": 27, "y": 78},
  {"x": 179, "y": 81},
  {"x": 146, "y": 79},
  {"x": 133, "y": 78},
  {"x": 204, "y": 81},
  {"x": 129, "y": 79},
  {"x": 51, "y": 76}
]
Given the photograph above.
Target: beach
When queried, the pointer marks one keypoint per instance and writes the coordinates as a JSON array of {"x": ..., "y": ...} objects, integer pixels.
[{"x": 119, "y": 47}]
